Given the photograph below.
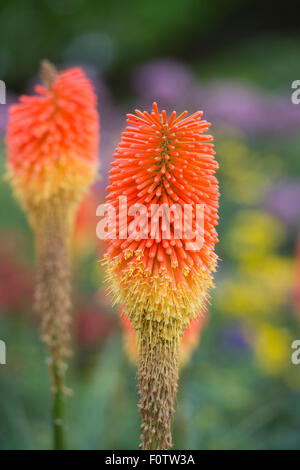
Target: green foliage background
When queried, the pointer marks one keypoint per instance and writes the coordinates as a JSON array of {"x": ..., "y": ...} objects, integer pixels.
[{"x": 240, "y": 390}]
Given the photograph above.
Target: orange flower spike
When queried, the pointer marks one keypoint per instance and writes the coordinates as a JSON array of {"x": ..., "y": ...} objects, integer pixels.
[
  {"x": 161, "y": 281},
  {"x": 52, "y": 139},
  {"x": 162, "y": 161},
  {"x": 52, "y": 146}
]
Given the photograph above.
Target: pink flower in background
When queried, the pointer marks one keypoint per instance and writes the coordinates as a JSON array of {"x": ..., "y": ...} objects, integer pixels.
[
  {"x": 16, "y": 278},
  {"x": 283, "y": 201},
  {"x": 168, "y": 81},
  {"x": 92, "y": 326}
]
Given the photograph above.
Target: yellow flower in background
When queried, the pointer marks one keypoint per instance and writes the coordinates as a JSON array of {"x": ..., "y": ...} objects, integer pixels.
[
  {"x": 243, "y": 171},
  {"x": 272, "y": 346},
  {"x": 253, "y": 234},
  {"x": 261, "y": 283},
  {"x": 257, "y": 291}
]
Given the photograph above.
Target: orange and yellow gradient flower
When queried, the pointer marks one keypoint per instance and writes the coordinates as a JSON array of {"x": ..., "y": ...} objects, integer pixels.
[
  {"x": 52, "y": 138},
  {"x": 165, "y": 168},
  {"x": 52, "y": 146}
]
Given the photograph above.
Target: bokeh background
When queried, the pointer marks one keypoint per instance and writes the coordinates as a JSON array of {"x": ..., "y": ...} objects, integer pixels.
[{"x": 236, "y": 61}]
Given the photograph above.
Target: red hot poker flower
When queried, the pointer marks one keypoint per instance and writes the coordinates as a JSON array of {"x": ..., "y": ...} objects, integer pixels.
[
  {"x": 52, "y": 144},
  {"x": 52, "y": 139},
  {"x": 164, "y": 161},
  {"x": 166, "y": 165}
]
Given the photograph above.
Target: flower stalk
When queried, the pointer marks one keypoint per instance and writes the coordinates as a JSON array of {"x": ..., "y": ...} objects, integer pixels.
[
  {"x": 52, "y": 145},
  {"x": 53, "y": 302},
  {"x": 157, "y": 378}
]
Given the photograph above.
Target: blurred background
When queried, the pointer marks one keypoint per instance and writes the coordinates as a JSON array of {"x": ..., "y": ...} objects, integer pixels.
[{"x": 236, "y": 61}]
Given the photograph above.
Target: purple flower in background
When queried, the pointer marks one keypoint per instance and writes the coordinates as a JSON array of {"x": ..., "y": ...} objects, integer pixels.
[
  {"x": 283, "y": 201},
  {"x": 10, "y": 99},
  {"x": 167, "y": 81},
  {"x": 233, "y": 339},
  {"x": 284, "y": 115},
  {"x": 232, "y": 103},
  {"x": 228, "y": 102},
  {"x": 246, "y": 107}
]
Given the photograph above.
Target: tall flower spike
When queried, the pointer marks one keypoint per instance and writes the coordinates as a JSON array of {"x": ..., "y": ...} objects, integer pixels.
[
  {"x": 166, "y": 163},
  {"x": 52, "y": 145}
]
